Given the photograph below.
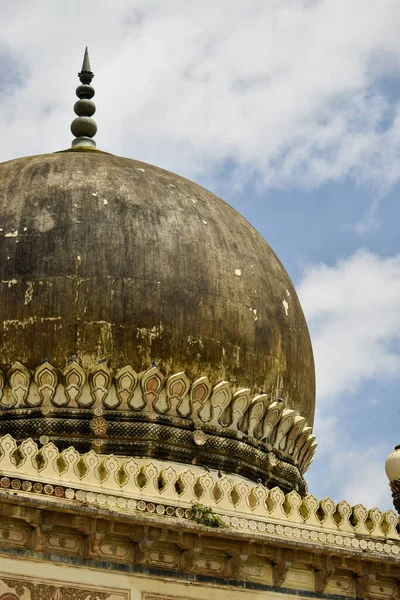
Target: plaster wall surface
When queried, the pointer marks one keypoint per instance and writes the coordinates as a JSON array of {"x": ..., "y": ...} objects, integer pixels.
[{"x": 25, "y": 579}]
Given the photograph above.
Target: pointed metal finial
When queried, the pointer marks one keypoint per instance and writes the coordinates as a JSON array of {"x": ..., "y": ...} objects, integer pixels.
[
  {"x": 84, "y": 127},
  {"x": 86, "y": 62}
]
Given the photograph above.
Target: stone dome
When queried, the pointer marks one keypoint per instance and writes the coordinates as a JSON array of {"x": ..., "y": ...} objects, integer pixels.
[{"x": 109, "y": 258}]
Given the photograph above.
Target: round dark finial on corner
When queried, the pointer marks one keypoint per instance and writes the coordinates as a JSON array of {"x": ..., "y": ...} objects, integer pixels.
[{"x": 84, "y": 128}]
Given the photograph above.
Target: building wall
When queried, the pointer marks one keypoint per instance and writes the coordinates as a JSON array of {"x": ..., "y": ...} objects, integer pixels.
[{"x": 26, "y": 579}]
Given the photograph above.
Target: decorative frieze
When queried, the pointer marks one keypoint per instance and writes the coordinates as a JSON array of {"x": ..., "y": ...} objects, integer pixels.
[
  {"x": 140, "y": 486},
  {"x": 220, "y": 406},
  {"x": 16, "y": 588},
  {"x": 147, "y": 413},
  {"x": 92, "y": 540}
]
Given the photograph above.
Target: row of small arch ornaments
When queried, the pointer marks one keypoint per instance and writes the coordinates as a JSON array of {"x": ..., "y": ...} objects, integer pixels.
[
  {"x": 138, "y": 480},
  {"x": 217, "y": 405}
]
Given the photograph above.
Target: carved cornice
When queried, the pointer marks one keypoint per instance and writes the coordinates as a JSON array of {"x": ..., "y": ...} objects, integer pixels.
[
  {"x": 136, "y": 514},
  {"x": 147, "y": 414},
  {"x": 170, "y": 545},
  {"x": 139, "y": 487}
]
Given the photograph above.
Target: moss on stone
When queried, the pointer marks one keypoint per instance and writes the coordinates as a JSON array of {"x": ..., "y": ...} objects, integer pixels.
[{"x": 204, "y": 515}]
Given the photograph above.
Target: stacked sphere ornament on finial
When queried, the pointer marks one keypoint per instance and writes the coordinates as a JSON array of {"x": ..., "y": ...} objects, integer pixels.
[{"x": 84, "y": 128}]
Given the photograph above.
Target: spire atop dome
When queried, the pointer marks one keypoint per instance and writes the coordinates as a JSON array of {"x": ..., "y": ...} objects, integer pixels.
[
  {"x": 84, "y": 128},
  {"x": 86, "y": 70}
]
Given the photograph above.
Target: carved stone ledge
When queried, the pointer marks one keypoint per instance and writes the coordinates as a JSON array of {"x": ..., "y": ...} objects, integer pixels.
[
  {"x": 325, "y": 569},
  {"x": 43, "y": 588},
  {"x": 229, "y": 556},
  {"x": 281, "y": 564},
  {"x": 138, "y": 486}
]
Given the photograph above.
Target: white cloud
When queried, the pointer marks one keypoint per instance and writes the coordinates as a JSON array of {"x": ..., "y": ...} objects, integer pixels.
[
  {"x": 367, "y": 482},
  {"x": 346, "y": 468},
  {"x": 288, "y": 93},
  {"x": 285, "y": 91},
  {"x": 353, "y": 310}
]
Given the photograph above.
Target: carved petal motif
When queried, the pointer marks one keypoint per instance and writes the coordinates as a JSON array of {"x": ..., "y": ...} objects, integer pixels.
[
  {"x": 292, "y": 505},
  {"x": 328, "y": 508},
  {"x": 131, "y": 469},
  {"x": 375, "y": 518},
  {"x": 308, "y": 458},
  {"x": 305, "y": 448},
  {"x": 272, "y": 419},
  {"x": 240, "y": 403},
  {"x": 111, "y": 466},
  {"x": 199, "y": 395},
  {"x": 344, "y": 512},
  {"x": 126, "y": 381},
  {"x": 46, "y": 380},
  {"x": 188, "y": 479},
  {"x": 50, "y": 452},
  {"x": 28, "y": 449},
  {"x": 257, "y": 411},
  {"x": 92, "y": 460},
  {"x": 309, "y": 508},
  {"x": 221, "y": 404},
  {"x": 286, "y": 422},
  {"x": 260, "y": 494},
  {"x": 75, "y": 379},
  {"x": 177, "y": 387},
  {"x": 19, "y": 378},
  {"x": 2, "y": 383},
  {"x": 7, "y": 446},
  {"x": 100, "y": 383},
  {"x": 70, "y": 456},
  {"x": 360, "y": 516},
  {"x": 275, "y": 503},
  {"x": 298, "y": 426},
  {"x": 152, "y": 382},
  {"x": 301, "y": 440}
]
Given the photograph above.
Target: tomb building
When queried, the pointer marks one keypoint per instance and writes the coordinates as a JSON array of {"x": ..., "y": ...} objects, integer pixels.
[{"x": 157, "y": 397}]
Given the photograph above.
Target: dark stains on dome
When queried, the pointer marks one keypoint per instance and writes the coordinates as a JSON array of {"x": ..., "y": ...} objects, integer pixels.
[{"x": 109, "y": 257}]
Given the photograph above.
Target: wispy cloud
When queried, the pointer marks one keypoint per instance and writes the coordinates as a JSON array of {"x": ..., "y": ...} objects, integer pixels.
[
  {"x": 353, "y": 310},
  {"x": 287, "y": 92}
]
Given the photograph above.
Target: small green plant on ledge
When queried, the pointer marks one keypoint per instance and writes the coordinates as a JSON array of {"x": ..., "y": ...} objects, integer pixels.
[{"x": 204, "y": 515}]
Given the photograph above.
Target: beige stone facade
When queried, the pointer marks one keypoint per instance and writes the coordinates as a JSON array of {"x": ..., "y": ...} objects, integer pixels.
[
  {"x": 67, "y": 518},
  {"x": 29, "y": 580}
]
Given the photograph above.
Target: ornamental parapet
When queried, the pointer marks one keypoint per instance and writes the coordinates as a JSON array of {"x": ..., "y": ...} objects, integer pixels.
[
  {"x": 139, "y": 486},
  {"x": 148, "y": 414},
  {"x": 136, "y": 516}
]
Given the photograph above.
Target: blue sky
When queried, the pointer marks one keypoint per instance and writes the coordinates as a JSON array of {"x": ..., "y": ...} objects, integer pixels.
[
  {"x": 289, "y": 110},
  {"x": 359, "y": 424}
]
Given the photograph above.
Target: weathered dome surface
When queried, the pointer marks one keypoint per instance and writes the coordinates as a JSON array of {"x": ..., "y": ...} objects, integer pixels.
[{"x": 107, "y": 257}]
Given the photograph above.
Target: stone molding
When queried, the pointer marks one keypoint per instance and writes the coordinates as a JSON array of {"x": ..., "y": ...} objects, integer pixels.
[
  {"x": 137, "y": 486},
  {"x": 175, "y": 548},
  {"x": 218, "y": 425},
  {"x": 16, "y": 587}
]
